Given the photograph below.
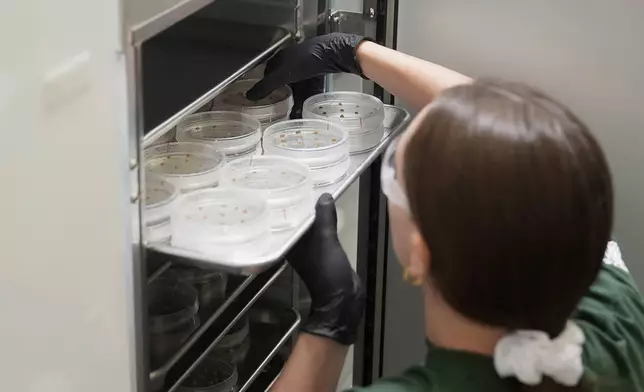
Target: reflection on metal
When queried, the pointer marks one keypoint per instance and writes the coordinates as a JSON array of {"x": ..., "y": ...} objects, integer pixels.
[
  {"x": 164, "y": 267},
  {"x": 146, "y": 18},
  {"x": 350, "y": 22},
  {"x": 395, "y": 121}
]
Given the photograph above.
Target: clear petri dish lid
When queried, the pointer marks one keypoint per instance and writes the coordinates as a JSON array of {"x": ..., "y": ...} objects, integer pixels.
[
  {"x": 159, "y": 196},
  {"x": 276, "y": 105},
  {"x": 271, "y": 173},
  {"x": 282, "y": 180},
  {"x": 188, "y": 166},
  {"x": 230, "y": 132},
  {"x": 353, "y": 110},
  {"x": 317, "y": 142},
  {"x": 221, "y": 215}
]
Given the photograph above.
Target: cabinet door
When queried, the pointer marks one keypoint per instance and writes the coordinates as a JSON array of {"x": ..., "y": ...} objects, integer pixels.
[{"x": 362, "y": 209}]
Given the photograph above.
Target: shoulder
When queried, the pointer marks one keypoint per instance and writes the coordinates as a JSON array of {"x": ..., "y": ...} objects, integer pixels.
[{"x": 612, "y": 318}]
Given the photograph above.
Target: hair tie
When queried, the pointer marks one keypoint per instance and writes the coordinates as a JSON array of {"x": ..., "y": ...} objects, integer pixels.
[{"x": 530, "y": 355}]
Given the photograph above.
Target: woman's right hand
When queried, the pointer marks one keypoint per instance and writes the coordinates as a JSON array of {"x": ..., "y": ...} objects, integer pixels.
[
  {"x": 337, "y": 299},
  {"x": 326, "y": 54}
]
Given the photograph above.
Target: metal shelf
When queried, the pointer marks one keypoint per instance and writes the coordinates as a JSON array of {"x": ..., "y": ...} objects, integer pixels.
[
  {"x": 266, "y": 327},
  {"x": 146, "y": 18},
  {"x": 395, "y": 121},
  {"x": 185, "y": 62},
  {"x": 244, "y": 296},
  {"x": 270, "y": 329}
]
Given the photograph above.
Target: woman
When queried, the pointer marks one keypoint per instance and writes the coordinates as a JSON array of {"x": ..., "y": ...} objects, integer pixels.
[{"x": 501, "y": 207}]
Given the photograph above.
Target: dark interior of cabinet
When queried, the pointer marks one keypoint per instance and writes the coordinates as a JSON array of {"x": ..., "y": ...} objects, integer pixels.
[{"x": 191, "y": 57}]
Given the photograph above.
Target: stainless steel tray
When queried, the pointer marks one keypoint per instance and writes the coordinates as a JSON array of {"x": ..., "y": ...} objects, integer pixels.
[{"x": 396, "y": 120}]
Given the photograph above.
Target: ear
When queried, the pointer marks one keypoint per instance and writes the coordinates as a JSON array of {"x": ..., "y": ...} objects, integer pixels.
[{"x": 419, "y": 258}]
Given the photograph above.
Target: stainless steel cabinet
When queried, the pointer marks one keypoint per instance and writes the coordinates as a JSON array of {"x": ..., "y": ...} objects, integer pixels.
[{"x": 191, "y": 306}]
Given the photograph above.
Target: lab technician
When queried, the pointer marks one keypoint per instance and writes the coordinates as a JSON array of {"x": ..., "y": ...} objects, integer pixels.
[{"x": 501, "y": 206}]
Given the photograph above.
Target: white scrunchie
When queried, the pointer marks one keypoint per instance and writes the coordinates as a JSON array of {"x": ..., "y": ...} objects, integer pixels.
[{"x": 530, "y": 355}]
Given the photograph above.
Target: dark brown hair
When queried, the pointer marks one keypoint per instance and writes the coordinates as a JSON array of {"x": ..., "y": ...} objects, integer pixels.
[{"x": 513, "y": 197}]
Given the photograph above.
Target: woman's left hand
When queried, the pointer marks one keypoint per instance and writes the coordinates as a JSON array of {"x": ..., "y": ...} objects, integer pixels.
[{"x": 337, "y": 299}]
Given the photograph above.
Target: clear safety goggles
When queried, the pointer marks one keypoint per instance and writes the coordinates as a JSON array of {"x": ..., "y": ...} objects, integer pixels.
[{"x": 390, "y": 185}]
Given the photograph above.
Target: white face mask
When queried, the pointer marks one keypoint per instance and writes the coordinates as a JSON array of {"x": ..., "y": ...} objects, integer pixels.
[{"x": 390, "y": 185}]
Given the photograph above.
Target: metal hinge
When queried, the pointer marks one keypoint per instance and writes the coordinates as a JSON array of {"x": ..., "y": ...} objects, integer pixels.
[{"x": 353, "y": 22}]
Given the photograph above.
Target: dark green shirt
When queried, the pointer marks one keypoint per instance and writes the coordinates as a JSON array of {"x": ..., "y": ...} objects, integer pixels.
[{"x": 612, "y": 318}]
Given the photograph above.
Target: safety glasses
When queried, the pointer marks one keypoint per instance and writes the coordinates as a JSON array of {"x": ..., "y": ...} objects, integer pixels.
[{"x": 388, "y": 180}]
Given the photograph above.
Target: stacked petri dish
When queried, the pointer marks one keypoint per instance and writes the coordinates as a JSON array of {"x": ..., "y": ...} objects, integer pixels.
[
  {"x": 211, "y": 375},
  {"x": 234, "y": 346},
  {"x": 228, "y": 223},
  {"x": 235, "y": 134},
  {"x": 284, "y": 182},
  {"x": 211, "y": 285},
  {"x": 274, "y": 108},
  {"x": 320, "y": 144},
  {"x": 159, "y": 196},
  {"x": 189, "y": 166},
  {"x": 362, "y": 115},
  {"x": 172, "y": 316}
]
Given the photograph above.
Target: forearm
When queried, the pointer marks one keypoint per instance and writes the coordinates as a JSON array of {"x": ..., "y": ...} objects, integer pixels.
[
  {"x": 415, "y": 81},
  {"x": 314, "y": 366}
]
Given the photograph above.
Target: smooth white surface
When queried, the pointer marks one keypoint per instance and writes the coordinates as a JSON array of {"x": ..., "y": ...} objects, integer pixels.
[
  {"x": 65, "y": 228},
  {"x": 587, "y": 53}
]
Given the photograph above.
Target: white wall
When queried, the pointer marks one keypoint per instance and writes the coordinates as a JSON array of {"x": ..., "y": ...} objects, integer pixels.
[
  {"x": 587, "y": 53},
  {"x": 64, "y": 202}
]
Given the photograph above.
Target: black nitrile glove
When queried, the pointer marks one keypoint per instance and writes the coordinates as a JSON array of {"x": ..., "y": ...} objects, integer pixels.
[
  {"x": 331, "y": 53},
  {"x": 303, "y": 90},
  {"x": 337, "y": 299}
]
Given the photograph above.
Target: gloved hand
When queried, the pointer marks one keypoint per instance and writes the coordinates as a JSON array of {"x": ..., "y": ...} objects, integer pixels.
[
  {"x": 332, "y": 53},
  {"x": 337, "y": 299}
]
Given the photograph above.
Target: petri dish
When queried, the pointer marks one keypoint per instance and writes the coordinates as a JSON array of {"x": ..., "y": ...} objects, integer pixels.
[
  {"x": 277, "y": 105},
  {"x": 362, "y": 115},
  {"x": 284, "y": 182},
  {"x": 320, "y": 144},
  {"x": 171, "y": 305},
  {"x": 156, "y": 233},
  {"x": 228, "y": 223},
  {"x": 188, "y": 166},
  {"x": 159, "y": 196},
  {"x": 234, "y": 134},
  {"x": 172, "y": 317},
  {"x": 211, "y": 285},
  {"x": 234, "y": 346},
  {"x": 211, "y": 375},
  {"x": 365, "y": 141}
]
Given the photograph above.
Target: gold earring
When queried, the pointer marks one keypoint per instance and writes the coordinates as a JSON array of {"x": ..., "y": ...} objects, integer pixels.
[{"x": 414, "y": 281}]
